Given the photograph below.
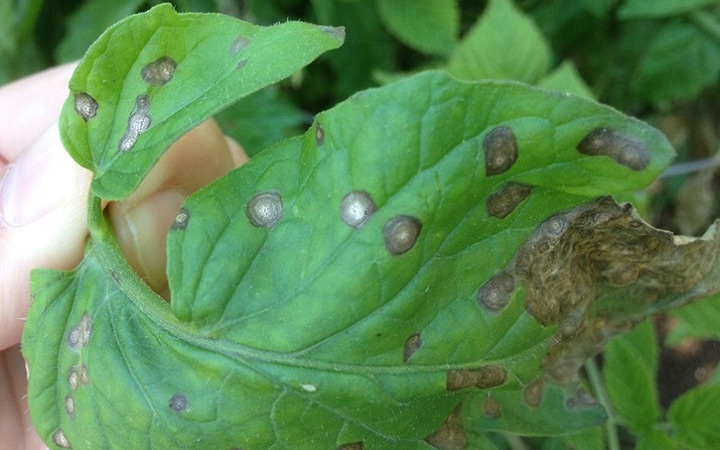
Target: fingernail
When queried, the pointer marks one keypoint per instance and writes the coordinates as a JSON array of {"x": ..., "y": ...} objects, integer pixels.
[
  {"x": 142, "y": 230},
  {"x": 42, "y": 179}
]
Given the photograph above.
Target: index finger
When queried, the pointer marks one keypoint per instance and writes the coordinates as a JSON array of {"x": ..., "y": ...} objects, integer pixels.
[{"x": 29, "y": 106}]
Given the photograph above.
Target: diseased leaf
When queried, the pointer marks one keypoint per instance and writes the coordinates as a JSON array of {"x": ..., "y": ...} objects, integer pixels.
[
  {"x": 643, "y": 9},
  {"x": 565, "y": 78},
  {"x": 699, "y": 320},
  {"x": 130, "y": 93},
  {"x": 540, "y": 408},
  {"x": 630, "y": 365},
  {"x": 310, "y": 303},
  {"x": 430, "y": 26},
  {"x": 693, "y": 417},
  {"x": 678, "y": 64},
  {"x": 501, "y": 32}
]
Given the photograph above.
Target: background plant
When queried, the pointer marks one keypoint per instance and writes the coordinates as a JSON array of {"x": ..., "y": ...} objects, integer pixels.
[{"x": 659, "y": 62}]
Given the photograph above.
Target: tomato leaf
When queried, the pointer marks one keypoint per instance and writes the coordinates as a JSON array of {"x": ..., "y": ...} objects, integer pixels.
[{"x": 152, "y": 77}]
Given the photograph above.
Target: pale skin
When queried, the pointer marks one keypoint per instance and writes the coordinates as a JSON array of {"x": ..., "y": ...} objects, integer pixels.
[{"x": 43, "y": 200}]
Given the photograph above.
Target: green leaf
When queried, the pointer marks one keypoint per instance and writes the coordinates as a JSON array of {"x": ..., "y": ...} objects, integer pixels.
[
  {"x": 565, "y": 78},
  {"x": 368, "y": 46},
  {"x": 591, "y": 439},
  {"x": 129, "y": 120},
  {"x": 693, "y": 417},
  {"x": 261, "y": 120},
  {"x": 599, "y": 8},
  {"x": 538, "y": 409},
  {"x": 88, "y": 22},
  {"x": 504, "y": 44},
  {"x": 678, "y": 64},
  {"x": 656, "y": 440},
  {"x": 430, "y": 26},
  {"x": 699, "y": 320},
  {"x": 642, "y": 9},
  {"x": 296, "y": 322},
  {"x": 630, "y": 364}
]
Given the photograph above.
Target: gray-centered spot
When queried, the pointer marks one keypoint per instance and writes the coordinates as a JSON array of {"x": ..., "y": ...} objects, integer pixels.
[
  {"x": 181, "y": 219},
  {"x": 85, "y": 106},
  {"x": 628, "y": 151},
  {"x": 401, "y": 233},
  {"x": 336, "y": 32},
  {"x": 138, "y": 123},
  {"x": 239, "y": 44},
  {"x": 503, "y": 202},
  {"x": 178, "y": 402},
  {"x": 60, "y": 439},
  {"x": 70, "y": 405},
  {"x": 79, "y": 335},
  {"x": 73, "y": 378},
  {"x": 495, "y": 293},
  {"x": 240, "y": 64},
  {"x": 159, "y": 72},
  {"x": 356, "y": 208},
  {"x": 501, "y": 150},
  {"x": 265, "y": 209},
  {"x": 319, "y": 134}
]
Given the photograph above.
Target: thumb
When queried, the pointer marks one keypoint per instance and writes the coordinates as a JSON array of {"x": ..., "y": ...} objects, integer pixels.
[{"x": 43, "y": 199}]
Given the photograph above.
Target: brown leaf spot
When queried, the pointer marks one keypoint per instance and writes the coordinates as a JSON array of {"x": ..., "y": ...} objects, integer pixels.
[
  {"x": 628, "y": 151},
  {"x": 491, "y": 408},
  {"x": 352, "y": 446},
  {"x": 495, "y": 294},
  {"x": 501, "y": 150},
  {"x": 503, "y": 202},
  {"x": 412, "y": 344},
  {"x": 451, "y": 435},
  {"x": 533, "y": 393},
  {"x": 159, "y": 71},
  {"x": 491, "y": 376},
  {"x": 401, "y": 233},
  {"x": 484, "y": 377}
]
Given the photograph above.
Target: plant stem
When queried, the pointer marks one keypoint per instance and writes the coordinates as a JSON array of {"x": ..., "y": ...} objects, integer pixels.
[
  {"x": 599, "y": 390},
  {"x": 707, "y": 23}
]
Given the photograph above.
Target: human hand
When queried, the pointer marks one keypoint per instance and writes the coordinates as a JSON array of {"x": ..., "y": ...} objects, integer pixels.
[{"x": 43, "y": 211}]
